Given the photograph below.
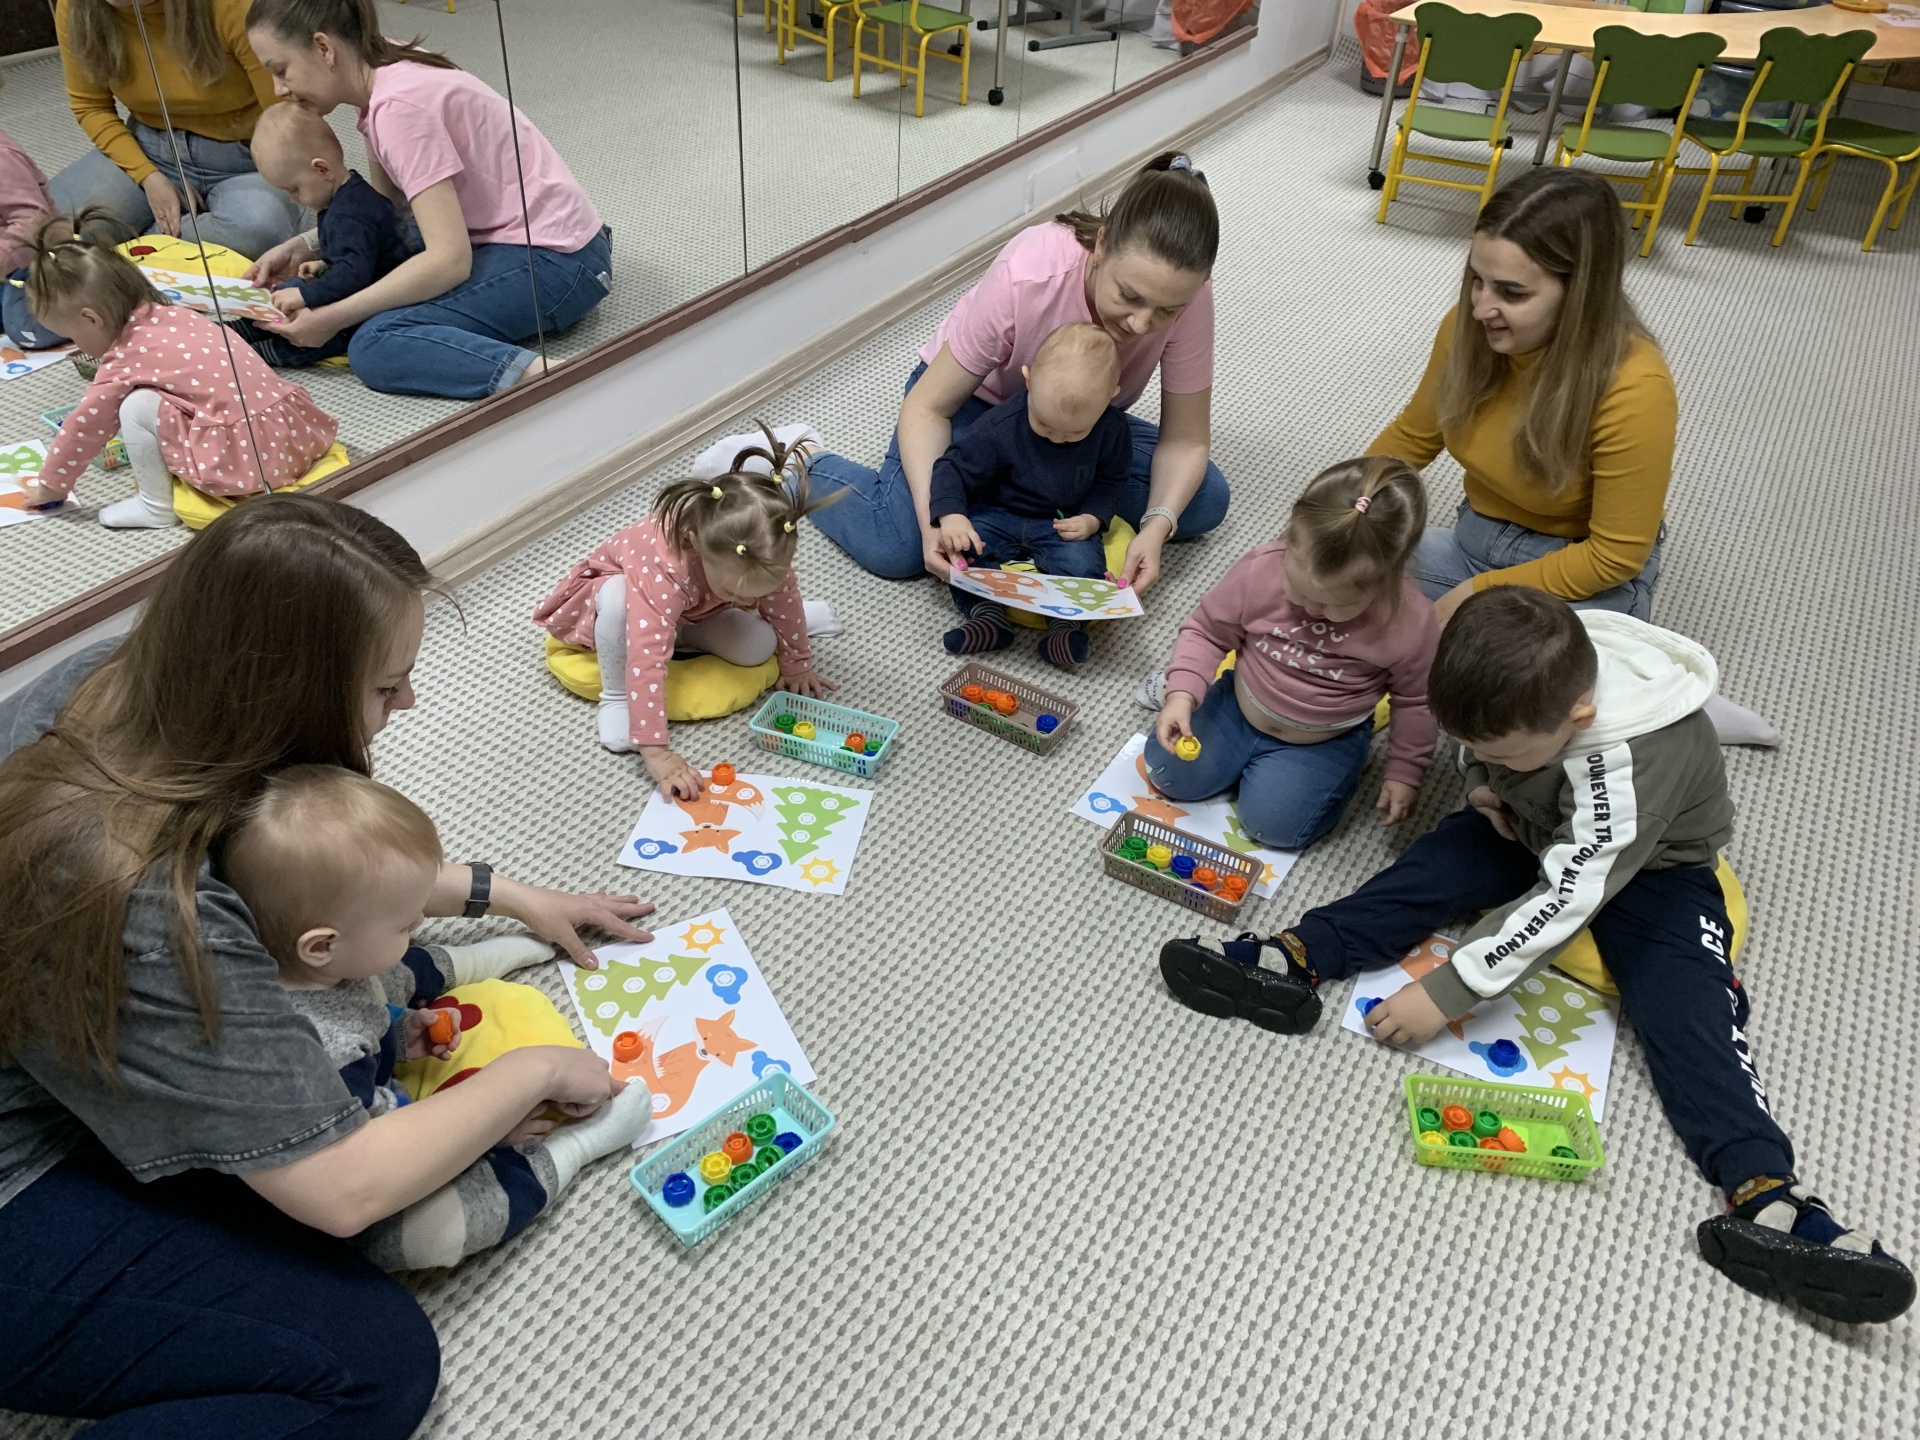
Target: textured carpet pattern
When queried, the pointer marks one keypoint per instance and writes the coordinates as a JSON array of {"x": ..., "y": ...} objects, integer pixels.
[{"x": 1060, "y": 1205}]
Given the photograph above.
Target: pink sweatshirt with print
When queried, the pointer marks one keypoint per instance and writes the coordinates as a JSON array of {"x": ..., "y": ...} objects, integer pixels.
[
  {"x": 1313, "y": 671},
  {"x": 665, "y": 590}
]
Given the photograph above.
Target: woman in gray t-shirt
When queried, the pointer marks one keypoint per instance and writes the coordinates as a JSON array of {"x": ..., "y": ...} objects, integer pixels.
[{"x": 174, "y": 1140}]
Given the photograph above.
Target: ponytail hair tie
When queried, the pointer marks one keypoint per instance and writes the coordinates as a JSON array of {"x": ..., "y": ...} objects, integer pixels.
[
  {"x": 787, "y": 526},
  {"x": 1362, "y": 503},
  {"x": 718, "y": 493},
  {"x": 1184, "y": 164},
  {"x": 739, "y": 549}
]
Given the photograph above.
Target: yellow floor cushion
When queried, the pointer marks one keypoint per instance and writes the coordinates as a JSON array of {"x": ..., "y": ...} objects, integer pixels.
[
  {"x": 495, "y": 1016},
  {"x": 169, "y": 252},
  {"x": 1581, "y": 958},
  {"x": 197, "y": 509},
  {"x": 1118, "y": 536},
  {"x": 701, "y": 687}
]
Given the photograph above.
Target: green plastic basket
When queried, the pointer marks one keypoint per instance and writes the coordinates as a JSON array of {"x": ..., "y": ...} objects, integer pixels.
[
  {"x": 111, "y": 458},
  {"x": 1543, "y": 1118},
  {"x": 831, "y": 724}
]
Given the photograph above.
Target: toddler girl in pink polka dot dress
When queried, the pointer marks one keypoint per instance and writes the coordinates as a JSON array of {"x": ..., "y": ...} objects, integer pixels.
[
  {"x": 166, "y": 382},
  {"x": 690, "y": 576}
]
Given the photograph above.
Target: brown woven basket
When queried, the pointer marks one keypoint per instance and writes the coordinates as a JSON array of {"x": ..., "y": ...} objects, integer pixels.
[
  {"x": 1168, "y": 886},
  {"x": 1017, "y": 727}
]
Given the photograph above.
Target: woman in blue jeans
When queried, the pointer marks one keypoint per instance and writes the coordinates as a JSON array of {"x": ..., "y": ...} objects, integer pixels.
[
  {"x": 178, "y": 1154},
  {"x": 1141, "y": 271},
  {"x": 213, "y": 90},
  {"x": 491, "y": 274}
]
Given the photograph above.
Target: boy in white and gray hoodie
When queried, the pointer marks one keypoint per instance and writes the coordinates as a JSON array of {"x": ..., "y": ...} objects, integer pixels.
[{"x": 1596, "y": 800}]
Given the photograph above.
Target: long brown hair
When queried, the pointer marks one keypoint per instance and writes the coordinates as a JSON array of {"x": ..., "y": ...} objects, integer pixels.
[
  {"x": 75, "y": 263},
  {"x": 354, "y": 23},
  {"x": 1569, "y": 223},
  {"x": 751, "y": 516},
  {"x": 1166, "y": 210},
  {"x": 255, "y": 652},
  {"x": 96, "y": 40},
  {"x": 1362, "y": 518}
]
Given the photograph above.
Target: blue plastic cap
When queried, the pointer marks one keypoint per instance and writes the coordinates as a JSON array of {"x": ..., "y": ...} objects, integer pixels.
[
  {"x": 1366, "y": 1005},
  {"x": 678, "y": 1190},
  {"x": 1184, "y": 866},
  {"x": 787, "y": 1141},
  {"x": 1046, "y": 724},
  {"x": 1503, "y": 1053}
]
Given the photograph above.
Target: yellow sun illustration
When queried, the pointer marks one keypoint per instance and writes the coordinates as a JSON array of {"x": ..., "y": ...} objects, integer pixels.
[
  {"x": 1266, "y": 874},
  {"x": 1566, "y": 1078},
  {"x": 819, "y": 872},
  {"x": 702, "y": 935}
]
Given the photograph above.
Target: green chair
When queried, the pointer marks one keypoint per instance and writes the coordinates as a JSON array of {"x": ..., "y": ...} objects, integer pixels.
[
  {"x": 1479, "y": 50},
  {"x": 1793, "y": 68},
  {"x": 1860, "y": 140},
  {"x": 1660, "y": 72},
  {"x": 911, "y": 18}
]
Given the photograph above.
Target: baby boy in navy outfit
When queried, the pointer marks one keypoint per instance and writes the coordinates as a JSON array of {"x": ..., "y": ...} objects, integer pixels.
[
  {"x": 1037, "y": 478},
  {"x": 359, "y": 235}
]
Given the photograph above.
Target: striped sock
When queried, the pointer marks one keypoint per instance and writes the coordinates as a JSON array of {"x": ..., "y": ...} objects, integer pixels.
[
  {"x": 1065, "y": 644},
  {"x": 986, "y": 628}
]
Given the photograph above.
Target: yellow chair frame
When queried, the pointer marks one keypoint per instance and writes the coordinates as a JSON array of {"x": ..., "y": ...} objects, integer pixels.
[
  {"x": 1658, "y": 179},
  {"x": 789, "y": 32},
  {"x": 1895, "y": 194},
  {"x": 1404, "y": 133},
  {"x": 912, "y": 27},
  {"x": 1746, "y": 194}
]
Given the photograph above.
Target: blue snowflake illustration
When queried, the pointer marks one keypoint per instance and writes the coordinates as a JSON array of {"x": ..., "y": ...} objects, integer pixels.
[
  {"x": 763, "y": 1062},
  {"x": 653, "y": 849},
  {"x": 1068, "y": 610},
  {"x": 1105, "y": 804},
  {"x": 758, "y": 862},
  {"x": 726, "y": 981}
]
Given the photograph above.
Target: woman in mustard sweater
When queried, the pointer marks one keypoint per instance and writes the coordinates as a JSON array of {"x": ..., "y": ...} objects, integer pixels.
[
  {"x": 1558, "y": 405},
  {"x": 214, "y": 89}
]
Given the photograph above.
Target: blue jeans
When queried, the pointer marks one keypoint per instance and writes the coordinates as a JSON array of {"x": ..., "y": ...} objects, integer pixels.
[
  {"x": 1476, "y": 544},
  {"x": 874, "y": 520},
  {"x": 466, "y": 343},
  {"x": 1008, "y": 536},
  {"x": 243, "y": 211},
  {"x": 16, "y": 316},
  {"x": 190, "y": 1307},
  {"x": 1290, "y": 795}
]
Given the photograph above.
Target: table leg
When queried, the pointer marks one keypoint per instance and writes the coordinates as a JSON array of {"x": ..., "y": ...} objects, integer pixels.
[
  {"x": 1553, "y": 107},
  {"x": 997, "y": 94},
  {"x": 1376, "y": 177}
]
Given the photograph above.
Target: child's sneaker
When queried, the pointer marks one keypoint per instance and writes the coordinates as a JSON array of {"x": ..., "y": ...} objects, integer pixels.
[
  {"x": 1784, "y": 1243},
  {"x": 1151, "y": 691},
  {"x": 1231, "y": 983}
]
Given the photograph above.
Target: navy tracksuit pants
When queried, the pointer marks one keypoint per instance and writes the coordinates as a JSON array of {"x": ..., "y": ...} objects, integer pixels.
[{"x": 1664, "y": 937}]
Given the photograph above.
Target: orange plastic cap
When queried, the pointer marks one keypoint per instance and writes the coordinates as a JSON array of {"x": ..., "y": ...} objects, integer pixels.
[
  {"x": 1005, "y": 703},
  {"x": 972, "y": 694},
  {"x": 1457, "y": 1117},
  {"x": 737, "y": 1148},
  {"x": 440, "y": 1028},
  {"x": 626, "y": 1046},
  {"x": 723, "y": 774},
  {"x": 1234, "y": 886},
  {"x": 1206, "y": 875},
  {"x": 1509, "y": 1140}
]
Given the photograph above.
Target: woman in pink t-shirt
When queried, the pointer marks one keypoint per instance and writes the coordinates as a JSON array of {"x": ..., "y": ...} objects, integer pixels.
[
  {"x": 450, "y": 320},
  {"x": 1141, "y": 272}
]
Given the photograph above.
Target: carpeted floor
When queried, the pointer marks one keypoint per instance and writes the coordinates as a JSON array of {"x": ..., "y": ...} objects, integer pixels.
[{"x": 1061, "y": 1205}]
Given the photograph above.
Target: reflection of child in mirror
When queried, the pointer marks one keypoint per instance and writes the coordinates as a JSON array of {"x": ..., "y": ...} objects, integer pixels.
[
  {"x": 358, "y": 237},
  {"x": 1037, "y": 478},
  {"x": 337, "y": 871},
  {"x": 686, "y": 577},
  {"x": 24, "y": 204},
  {"x": 185, "y": 400}
]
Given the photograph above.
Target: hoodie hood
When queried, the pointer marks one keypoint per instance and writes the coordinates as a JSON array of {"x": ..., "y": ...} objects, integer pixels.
[{"x": 1649, "y": 678}]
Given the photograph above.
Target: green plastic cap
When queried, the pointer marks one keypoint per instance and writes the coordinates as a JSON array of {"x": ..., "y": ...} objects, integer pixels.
[
  {"x": 1486, "y": 1125},
  {"x": 1461, "y": 1140},
  {"x": 760, "y": 1128},
  {"x": 1429, "y": 1118},
  {"x": 1564, "y": 1152}
]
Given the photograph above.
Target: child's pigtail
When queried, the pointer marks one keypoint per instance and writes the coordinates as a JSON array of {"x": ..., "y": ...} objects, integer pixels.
[
  {"x": 746, "y": 515},
  {"x": 1363, "y": 518}
]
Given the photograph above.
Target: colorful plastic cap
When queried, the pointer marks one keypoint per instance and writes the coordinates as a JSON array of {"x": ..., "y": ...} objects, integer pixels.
[
  {"x": 723, "y": 774},
  {"x": 802, "y": 730},
  {"x": 1187, "y": 748},
  {"x": 678, "y": 1190},
  {"x": 1046, "y": 724}
]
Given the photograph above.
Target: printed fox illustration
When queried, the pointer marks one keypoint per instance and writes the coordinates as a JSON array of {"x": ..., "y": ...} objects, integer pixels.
[
  {"x": 1153, "y": 804},
  {"x": 672, "y": 1074},
  {"x": 708, "y": 812}
]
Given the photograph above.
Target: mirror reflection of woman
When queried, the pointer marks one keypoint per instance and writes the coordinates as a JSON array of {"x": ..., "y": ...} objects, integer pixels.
[
  {"x": 451, "y": 320},
  {"x": 214, "y": 89},
  {"x": 1141, "y": 271}
]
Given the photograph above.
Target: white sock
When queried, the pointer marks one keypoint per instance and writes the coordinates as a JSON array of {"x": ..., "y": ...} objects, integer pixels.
[
  {"x": 137, "y": 513},
  {"x": 821, "y": 621},
  {"x": 610, "y": 648},
  {"x": 1738, "y": 725},
  {"x": 495, "y": 959},
  {"x": 614, "y": 1128}
]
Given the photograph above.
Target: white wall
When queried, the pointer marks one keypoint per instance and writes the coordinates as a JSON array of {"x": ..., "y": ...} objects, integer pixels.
[{"x": 467, "y": 485}]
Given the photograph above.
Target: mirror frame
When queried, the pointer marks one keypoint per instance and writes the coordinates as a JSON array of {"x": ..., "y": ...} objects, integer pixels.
[{"x": 101, "y": 603}]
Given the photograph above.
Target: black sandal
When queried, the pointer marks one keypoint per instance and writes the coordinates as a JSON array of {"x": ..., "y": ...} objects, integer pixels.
[
  {"x": 1855, "y": 1287},
  {"x": 1208, "y": 981}
]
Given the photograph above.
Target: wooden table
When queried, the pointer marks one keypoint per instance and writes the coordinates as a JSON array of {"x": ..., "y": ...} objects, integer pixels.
[{"x": 1569, "y": 27}]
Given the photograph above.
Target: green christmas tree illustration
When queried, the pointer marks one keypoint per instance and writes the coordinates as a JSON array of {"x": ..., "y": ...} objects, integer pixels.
[
  {"x": 1237, "y": 839},
  {"x": 1552, "y": 1013},
  {"x": 806, "y": 815},
  {"x": 1090, "y": 594},
  {"x": 621, "y": 987},
  {"x": 22, "y": 460}
]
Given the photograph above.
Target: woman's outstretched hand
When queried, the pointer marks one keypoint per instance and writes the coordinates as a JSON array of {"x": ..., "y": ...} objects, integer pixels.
[{"x": 560, "y": 916}]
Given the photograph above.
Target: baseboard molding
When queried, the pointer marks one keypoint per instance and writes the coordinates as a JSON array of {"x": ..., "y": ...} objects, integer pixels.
[{"x": 548, "y": 509}]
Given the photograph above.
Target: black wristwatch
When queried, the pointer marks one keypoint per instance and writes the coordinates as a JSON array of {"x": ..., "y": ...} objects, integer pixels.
[{"x": 481, "y": 895}]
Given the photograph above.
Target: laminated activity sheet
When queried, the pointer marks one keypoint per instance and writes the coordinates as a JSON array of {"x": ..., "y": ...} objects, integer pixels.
[
  {"x": 1067, "y": 596},
  {"x": 700, "y": 1023},
  {"x": 1548, "y": 1030},
  {"x": 797, "y": 834},
  {"x": 238, "y": 300},
  {"x": 20, "y": 464},
  {"x": 1124, "y": 786},
  {"x": 16, "y": 362}
]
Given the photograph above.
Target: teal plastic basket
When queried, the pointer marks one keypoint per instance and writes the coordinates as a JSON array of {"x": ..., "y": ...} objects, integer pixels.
[
  {"x": 1542, "y": 1117},
  {"x": 111, "y": 458},
  {"x": 831, "y": 724},
  {"x": 778, "y": 1095}
]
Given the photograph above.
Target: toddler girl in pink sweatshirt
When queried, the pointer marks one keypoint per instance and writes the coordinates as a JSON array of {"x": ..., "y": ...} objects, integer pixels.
[{"x": 1324, "y": 622}]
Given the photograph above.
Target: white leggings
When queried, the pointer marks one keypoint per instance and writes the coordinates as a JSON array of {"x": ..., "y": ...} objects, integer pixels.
[
  {"x": 740, "y": 637},
  {"x": 140, "y": 430}
]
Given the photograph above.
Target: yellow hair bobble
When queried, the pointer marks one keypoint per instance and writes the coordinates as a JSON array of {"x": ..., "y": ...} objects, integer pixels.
[
  {"x": 787, "y": 525},
  {"x": 718, "y": 493},
  {"x": 739, "y": 549}
]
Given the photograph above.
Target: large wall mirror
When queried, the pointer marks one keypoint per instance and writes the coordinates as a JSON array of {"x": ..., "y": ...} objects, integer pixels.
[{"x": 707, "y": 137}]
